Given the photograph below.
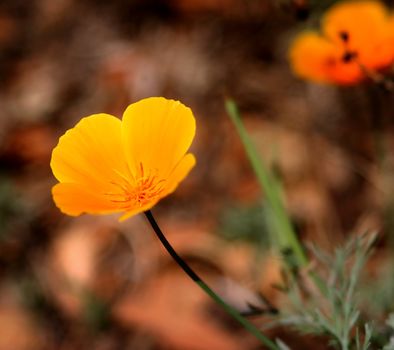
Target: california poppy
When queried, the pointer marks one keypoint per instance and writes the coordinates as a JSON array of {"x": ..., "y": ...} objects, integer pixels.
[
  {"x": 107, "y": 165},
  {"x": 356, "y": 41}
]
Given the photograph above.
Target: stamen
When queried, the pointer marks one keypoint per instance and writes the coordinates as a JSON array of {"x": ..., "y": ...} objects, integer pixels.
[
  {"x": 120, "y": 201},
  {"x": 123, "y": 187},
  {"x": 141, "y": 170},
  {"x": 122, "y": 176},
  {"x": 136, "y": 192}
]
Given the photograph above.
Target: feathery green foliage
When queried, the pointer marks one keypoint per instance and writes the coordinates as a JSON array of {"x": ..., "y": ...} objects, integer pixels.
[{"x": 332, "y": 310}]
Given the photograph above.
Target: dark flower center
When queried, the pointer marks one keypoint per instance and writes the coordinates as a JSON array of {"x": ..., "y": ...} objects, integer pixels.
[
  {"x": 344, "y": 35},
  {"x": 349, "y": 56}
]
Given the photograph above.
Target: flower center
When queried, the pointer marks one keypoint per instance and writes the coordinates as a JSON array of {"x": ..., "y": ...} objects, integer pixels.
[
  {"x": 348, "y": 55},
  {"x": 344, "y": 35},
  {"x": 143, "y": 188}
]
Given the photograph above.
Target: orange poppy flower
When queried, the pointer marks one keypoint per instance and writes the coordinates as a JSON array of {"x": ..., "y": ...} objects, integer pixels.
[
  {"x": 356, "y": 40},
  {"x": 107, "y": 165}
]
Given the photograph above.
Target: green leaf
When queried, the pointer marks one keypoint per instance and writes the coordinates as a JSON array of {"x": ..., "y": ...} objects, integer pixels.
[{"x": 283, "y": 234}]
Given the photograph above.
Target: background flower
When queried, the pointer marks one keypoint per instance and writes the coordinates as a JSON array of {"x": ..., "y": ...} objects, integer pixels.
[{"x": 355, "y": 41}]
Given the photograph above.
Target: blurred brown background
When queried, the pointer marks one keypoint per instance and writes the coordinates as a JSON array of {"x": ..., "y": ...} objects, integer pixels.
[{"x": 92, "y": 283}]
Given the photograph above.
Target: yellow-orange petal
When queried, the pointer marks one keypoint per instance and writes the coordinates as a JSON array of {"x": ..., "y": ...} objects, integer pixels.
[
  {"x": 181, "y": 170},
  {"x": 157, "y": 133},
  {"x": 365, "y": 26},
  {"x": 91, "y": 153},
  {"x": 75, "y": 199},
  {"x": 138, "y": 209}
]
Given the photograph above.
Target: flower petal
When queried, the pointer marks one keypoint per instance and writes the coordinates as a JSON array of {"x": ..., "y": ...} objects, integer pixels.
[
  {"x": 157, "y": 133},
  {"x": 310, "y": 54},
  {"x": 315, "y": 58},
  {"x": 75, "y": 199},
  {"x": 361, "y": 20},
  {"x": 365, "y": 25},
  {"x": 179, "y": 173},
  {"x": 91, "y": 153},
  {"x": 137, "y": 210}
]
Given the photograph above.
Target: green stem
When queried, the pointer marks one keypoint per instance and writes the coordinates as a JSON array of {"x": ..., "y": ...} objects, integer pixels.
[
  {"x": 284, "y": 234},
  {"x": 226, "y": 307}
]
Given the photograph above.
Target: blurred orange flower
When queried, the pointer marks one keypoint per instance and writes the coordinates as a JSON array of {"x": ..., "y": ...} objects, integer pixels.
[
  {"x": 107, "y": 165},
  {"x": 356, "y": 41}
]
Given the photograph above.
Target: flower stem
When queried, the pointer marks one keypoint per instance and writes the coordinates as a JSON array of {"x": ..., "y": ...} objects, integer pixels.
[{"x": 226, "y": 307}]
